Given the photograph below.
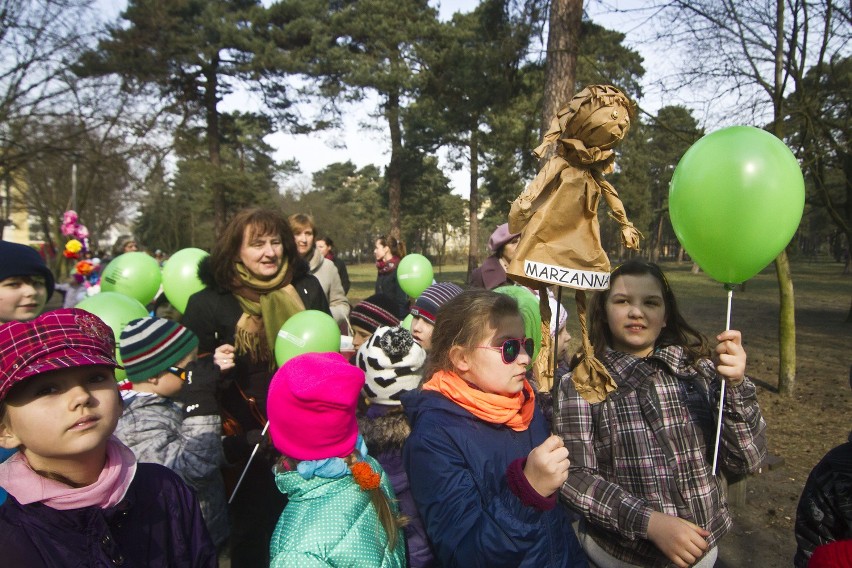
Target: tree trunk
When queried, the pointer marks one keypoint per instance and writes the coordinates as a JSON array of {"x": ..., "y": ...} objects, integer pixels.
[
  {"x": 787, "y": 300},
  {"x": 394, "y": 171},
  {"x": 658, "y": 244},
  {"x": 473, "y": 248},
  {"x": 212, "y": 116},
  {"x": 563, "y": 40},
  {"x": 786, "y": 326}
]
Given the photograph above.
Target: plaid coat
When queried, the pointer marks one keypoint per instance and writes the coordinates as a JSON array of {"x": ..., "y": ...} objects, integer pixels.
[{"x": 649, "y": 447}]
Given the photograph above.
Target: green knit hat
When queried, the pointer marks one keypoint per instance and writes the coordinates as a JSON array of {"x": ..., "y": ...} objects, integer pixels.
[{"x": 149, "y": 346}]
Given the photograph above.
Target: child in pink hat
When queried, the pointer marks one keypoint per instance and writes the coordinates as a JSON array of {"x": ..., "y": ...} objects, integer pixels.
[
  {"x": 76, "y": 494},
  {"x": 341, "y": 508}
]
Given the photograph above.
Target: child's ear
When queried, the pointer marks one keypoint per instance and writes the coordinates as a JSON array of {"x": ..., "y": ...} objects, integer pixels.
[
  {"x": 459, "y": 358},
  {"x": 8, "y": 439}
]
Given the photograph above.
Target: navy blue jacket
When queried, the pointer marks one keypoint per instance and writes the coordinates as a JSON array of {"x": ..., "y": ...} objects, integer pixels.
[
  {"x": 456, "y": 465},
  {"x": 158, "y": 524}
]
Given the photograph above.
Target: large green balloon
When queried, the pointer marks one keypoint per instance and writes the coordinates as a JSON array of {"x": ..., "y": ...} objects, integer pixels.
[
  {"x": 133, "y": 274},
  {"x": 117, "y": 310},
  {"x": 310, "y": 331},
  {"x": 414, "y": 274},
  {"x": 735, "y": 201},
  {"x": 180, "y": 276}
]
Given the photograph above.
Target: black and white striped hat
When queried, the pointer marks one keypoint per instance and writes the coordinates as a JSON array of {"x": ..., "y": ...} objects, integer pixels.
[{"x": 392, "y": 363}]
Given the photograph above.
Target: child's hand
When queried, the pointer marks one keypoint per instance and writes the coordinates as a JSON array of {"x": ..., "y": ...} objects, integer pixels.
[
  {"x": 547, "y": 466},
  {"x": 730, "y": 357},
  {"x": 679, "y": 540},
  {"x": 223, "y": 357}
]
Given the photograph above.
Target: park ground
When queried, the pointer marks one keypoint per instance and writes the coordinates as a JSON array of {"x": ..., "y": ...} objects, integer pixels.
[{"x": 802, "y": 427}]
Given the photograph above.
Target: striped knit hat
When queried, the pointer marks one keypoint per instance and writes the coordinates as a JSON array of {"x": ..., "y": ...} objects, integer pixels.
[
  {"x": 149, "y": 346},
  {"x": 376, "y": 311},
  {"x": 432, "y": 298}
]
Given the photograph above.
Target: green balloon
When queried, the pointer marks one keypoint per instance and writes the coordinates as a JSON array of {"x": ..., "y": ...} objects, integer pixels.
[
  {"x": 528, "y": 304},
  {"x": 310, "y": 331},
  {"x": 117, "y": 310},
  {"x": 120, "y": 374},
  {"x": 735, "y": 201},
  {"x": 180, "y": 276},
  {"x": 406, "y": 323},
  {"x": 134, "y": 274},
  {"x": 414, "y": 274}
]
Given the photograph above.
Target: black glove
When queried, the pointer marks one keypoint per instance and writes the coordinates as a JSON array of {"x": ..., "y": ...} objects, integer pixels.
[{"x": 199, "y": 391}]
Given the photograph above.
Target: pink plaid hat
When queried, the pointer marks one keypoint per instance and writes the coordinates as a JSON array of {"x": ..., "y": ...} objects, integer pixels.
[{"x": 55, "y": 340}]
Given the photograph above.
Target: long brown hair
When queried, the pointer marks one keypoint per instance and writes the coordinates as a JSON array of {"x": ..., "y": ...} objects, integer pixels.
[
  {"x": 464, "y": 320},
  {"x": 227, "y": 248},
  {"x": 676, "y": 331},
  {"x": 390, "y": 521},
  {"x": 397, "y": 247}
]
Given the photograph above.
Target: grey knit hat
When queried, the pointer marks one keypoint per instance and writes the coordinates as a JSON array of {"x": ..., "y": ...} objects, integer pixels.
[{"x": 392, "y": 362}]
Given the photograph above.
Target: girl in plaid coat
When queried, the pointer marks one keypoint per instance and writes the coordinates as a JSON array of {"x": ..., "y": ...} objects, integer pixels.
[{"x": 641, "y": 472}]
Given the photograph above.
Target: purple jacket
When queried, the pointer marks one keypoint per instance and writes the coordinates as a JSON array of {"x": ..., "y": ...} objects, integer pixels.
[
  {"x": 490, "y": 275},
  {"x": 157, "y": 524},
  {"x": 385, "y": 432}
]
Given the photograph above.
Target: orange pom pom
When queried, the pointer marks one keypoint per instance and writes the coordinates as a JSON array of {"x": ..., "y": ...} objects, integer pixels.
[{"x": 365, "y": 477}]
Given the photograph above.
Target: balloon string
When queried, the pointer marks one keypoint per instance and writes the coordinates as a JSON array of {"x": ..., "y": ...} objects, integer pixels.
[
  {"x": 248, "y": 463},
  {"x": 722, "y": 391}
]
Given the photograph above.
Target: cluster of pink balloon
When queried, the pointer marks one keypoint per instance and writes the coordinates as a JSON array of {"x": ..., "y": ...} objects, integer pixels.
[{"x": 735, "y": 201}]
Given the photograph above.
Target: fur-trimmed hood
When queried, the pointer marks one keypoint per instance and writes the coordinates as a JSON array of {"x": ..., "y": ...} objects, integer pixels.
[{"x": 384, "y": 428}]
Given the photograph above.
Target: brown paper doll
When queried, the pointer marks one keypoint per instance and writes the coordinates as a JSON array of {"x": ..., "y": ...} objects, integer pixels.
[{"x": 557, "y": 217}]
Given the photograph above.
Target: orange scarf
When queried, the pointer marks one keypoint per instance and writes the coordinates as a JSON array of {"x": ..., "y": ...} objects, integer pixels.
[{"x": 514, "y": 411}]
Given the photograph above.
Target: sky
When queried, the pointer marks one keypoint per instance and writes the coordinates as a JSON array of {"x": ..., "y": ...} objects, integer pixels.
[{"x": 364, "y": 139}]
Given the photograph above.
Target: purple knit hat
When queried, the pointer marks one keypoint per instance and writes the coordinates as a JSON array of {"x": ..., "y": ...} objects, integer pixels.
[
  {"x": 311, "y": 406},
  {"x": 432, "y": 298},
  {"x": 500, "y": 237}
]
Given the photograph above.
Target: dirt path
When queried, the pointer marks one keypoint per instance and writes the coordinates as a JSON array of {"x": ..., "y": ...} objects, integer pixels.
[{"x": 801, "y": 428}]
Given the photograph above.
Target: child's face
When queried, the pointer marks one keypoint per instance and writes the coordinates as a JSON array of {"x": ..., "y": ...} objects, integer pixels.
[
  {"x": 21, "y": 298},
  {"x": 483, "y": 365},
  {"x": 61, "y": 416},
  {"x": 421, "y": 330},
  {"x": 169, "y": 384},
  {"x": 635, "y": 313},
  {"x": 361, "y": 335},
  {"x": 563, "y": 337}
]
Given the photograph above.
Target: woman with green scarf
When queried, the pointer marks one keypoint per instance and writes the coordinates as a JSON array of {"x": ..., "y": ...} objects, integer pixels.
[{"x": 255, "y": 281}]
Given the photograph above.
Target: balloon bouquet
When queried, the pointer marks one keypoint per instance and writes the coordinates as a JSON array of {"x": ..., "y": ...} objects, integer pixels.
[
  {"x": 735, "y": 201},
  {"x": 86, "y": 272},
  {"x": 132, "y": 280}
]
